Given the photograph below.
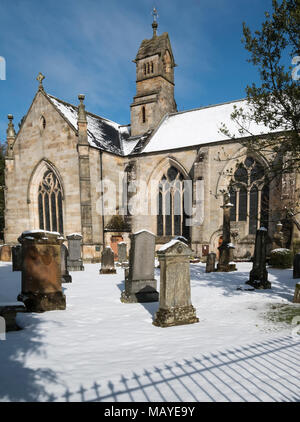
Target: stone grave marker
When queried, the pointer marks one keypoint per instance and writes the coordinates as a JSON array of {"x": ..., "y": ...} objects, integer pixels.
[
  {"x": 107, "y": 261},
  {"x": 65, "y": 276},
  {"x": 175, "y": 307},
  {"x": 16, "y": 252},
  {"x": 259, "y": 274},
  {"x": 210, "y": 263},
  {"x": 74, "y": 260},
  {"x": 140, "y": 284}
]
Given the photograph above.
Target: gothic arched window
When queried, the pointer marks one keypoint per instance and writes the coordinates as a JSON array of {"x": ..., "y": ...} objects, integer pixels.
[
  {"x": 50, "y": 203},
  {"x": 171, "y": 214},
  {"x": 249, "y": 194}
]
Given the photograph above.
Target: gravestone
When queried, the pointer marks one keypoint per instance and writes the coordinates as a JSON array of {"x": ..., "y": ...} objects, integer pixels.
[
  {"x": 122, "y": 252},
  {"x": 296, "y": 266},
  {"x": 225, "y": 263},
  {"x": 9, "y": 312},
  {"x": 74, "y": 260},
  {"x": 41, "y": 271},
  {"x": 16, "y": 252},
  {"x": 259, "y": 274},
  {"x": 297, "y": 294},
  {"x": 65, "y": 276},
  {"x": 175, "y": 307},
  {"x": 210, "y": 263},
  {"x": 107, "y": 261},
  {"x": 5, "y": 253},
  {"x": 140, "y": 284}
]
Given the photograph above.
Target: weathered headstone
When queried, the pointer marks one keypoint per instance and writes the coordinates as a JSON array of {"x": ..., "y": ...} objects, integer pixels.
[
  {"x": 5, "y": 253},
  {"x": 16, "y": 252},
  {"x": 9, "y": 312},
  {"x": 74, "y": 261},
  {"x": 140, "y": 284},
  {"x": 175, "y": 307},
  {"x": 297, "y": 294},
  {"x": 107, "y": 261},
  {"x": 41, "y": 271},
  {"x": 122, "y": 252},
  {"x": 259, "y": 274},
  {"x": 226, "y": 263},
  {"x": 65, "y": 276},
  {"x": 296, "y": 266},
  {"x": 211, "y": 263}
]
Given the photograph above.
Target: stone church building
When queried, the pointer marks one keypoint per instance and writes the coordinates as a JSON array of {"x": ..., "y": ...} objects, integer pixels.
[{"x": 58, "y": 161}]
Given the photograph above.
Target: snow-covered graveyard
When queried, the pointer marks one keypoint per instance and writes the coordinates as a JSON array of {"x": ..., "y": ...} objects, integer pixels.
[{"x": 244, "y": 347}]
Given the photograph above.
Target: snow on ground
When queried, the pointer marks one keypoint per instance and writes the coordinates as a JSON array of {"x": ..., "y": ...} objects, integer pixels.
[{"x": 101, "y": 349}]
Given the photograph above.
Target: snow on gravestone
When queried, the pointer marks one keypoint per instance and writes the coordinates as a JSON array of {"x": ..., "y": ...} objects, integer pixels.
[
  {"x": 175, "y": 307},
  {"x": 140, "y": 284}
]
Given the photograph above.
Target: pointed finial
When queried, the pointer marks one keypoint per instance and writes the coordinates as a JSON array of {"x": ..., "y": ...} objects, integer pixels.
[
  {"x": 10, "y": 129},
  {"x": 81, "y": 109},
  {"x": 154, "y": 23},
  {"x": 40, "y": 78}
]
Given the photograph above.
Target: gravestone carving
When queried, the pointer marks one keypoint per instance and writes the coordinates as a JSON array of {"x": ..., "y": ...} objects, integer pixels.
[{"x": 175, "y": 307}]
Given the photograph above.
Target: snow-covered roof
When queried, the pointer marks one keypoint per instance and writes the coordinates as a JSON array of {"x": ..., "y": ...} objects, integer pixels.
[
  {"x": 199, "y": 126},
  {"x": 102, "y": 133}
]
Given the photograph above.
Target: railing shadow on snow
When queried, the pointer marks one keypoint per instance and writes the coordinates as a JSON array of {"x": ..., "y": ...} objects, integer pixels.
[{"x": 267, "y": 371}]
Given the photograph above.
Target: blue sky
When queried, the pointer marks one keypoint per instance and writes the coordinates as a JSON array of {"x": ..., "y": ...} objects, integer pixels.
[{"x": 88, "y": 47}]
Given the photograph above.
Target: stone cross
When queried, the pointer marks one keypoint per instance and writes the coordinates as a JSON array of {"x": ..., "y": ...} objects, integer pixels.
[
  {"x": 40, "y": 78},
  {"x": 175, "y": 307},
  {"x": 107, "y": 261},
  {"x": 41, "y": 271},
  {"x": 259, "y": 274},
  {"x": 140, "y": 284},
  {"x": 226, "y": 249}
]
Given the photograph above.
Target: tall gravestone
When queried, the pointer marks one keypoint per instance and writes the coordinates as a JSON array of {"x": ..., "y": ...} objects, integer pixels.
[
  {"x": 107, "y": 261},
  {"x": 74, "y": 261},
  {"x": 226, "y": 249},
  {"x": 65, "y": 276},
  {"x": 259, "y": 274},
  {"x": 16, "y": 252},
  {"x": 210, "y": 263},
  {"x": 122, "y": 252},
  {"x": 297, "y": 294},
  {"x": 175, "y": 307},
  {"x": 41, "y": 271},
  {"x": 140, "y": 284},
  {"x": 296, "y": 266}
]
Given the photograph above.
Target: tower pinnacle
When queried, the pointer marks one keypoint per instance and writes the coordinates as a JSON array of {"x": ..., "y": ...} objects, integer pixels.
[{"x": 154, "y": 23}]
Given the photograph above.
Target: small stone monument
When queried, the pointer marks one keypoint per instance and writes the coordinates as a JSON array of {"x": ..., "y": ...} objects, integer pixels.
[
  {"x": 65, "y": 276},
  {"x": 41, "y": 271},
  {"x": 122, "y": 253},
  {"x": 259, "y": 274},
  {"x": 297, "y": 294},
  {"x": 16, "y": 252},
  {"x": 296, "y": 266},
  {"x": 74, "y": 261},
  {"x": 211, "y": 263},
  {"x": 140, "y": 284},
  {"x": 226, "y": 249},
  {"x": 175, "y": 307},
  {"x": 5, "y": 253},
  {"x": 278, "y": 237},
  {"x": 107, "y": 261},
  {"x": 9, "y": 312}
]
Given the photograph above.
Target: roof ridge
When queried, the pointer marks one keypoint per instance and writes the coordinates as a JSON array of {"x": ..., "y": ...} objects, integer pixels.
[{"x": 205, "y": 107}]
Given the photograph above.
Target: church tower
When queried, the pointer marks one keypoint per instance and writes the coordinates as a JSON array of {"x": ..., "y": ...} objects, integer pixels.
[{"x": 154, "y": 82}]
